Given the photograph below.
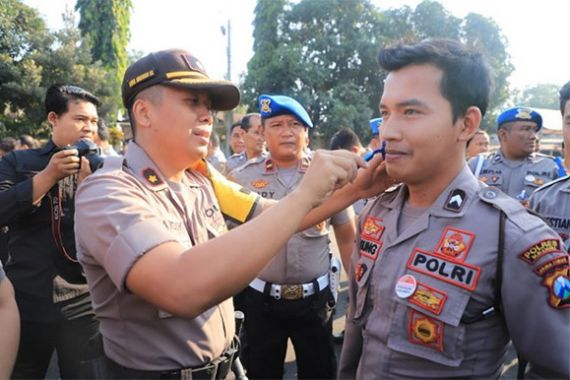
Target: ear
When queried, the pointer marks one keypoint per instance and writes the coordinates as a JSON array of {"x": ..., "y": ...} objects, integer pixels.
[
  {"x": 469, "y": 123},
  {"x": 141, "y": 112},
  {"x": 52, "y": 118}
]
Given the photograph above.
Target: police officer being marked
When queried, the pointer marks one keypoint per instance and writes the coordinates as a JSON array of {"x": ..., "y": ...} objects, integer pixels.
[
  {"x": 515, "y": 168},
  {"x": 291, "y": 298},
  {"x": 447, "y": 270},
  {"x": 149, "y": 231},
  {"x": 552, "y": 200}
]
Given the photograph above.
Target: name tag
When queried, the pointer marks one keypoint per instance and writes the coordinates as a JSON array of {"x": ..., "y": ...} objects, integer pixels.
[{"x": 456, "y": 273}]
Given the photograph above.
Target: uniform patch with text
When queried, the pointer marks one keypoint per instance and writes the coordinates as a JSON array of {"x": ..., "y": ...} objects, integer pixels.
[
  {"x": 428, "y": 298},
  {"x": 543, "y": 247},
  {"x": 558, "y": 283},
  {"x": 259, "y": 184},
  {"x": 425, "y": 330},
  {"x": 549, "y": 265},
  {"x": 453, "y": 272},
  {"x": 370, "y": 236},
  {"x": 455, "y": 243}
]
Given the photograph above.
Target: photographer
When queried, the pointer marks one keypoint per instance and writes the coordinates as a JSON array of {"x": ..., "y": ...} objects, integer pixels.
[{"x": 37, "y": 192}]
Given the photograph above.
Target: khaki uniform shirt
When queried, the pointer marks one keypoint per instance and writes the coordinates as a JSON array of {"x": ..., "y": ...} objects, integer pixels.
[
  {"x": 305, "y": 257},
  {"x": 124, "y": 210},
  {"x": 450, "y": 253},
  {"x": 518, "y": 179},
  {"x": 552, "y": 202}
]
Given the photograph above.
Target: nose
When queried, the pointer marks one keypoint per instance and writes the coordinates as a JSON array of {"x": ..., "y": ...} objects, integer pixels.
[{"x": 390, "y": 130}]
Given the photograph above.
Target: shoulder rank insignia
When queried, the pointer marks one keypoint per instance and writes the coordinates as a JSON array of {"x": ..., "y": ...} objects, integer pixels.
[
  {"x": 455, "y": 200},
  {"x": 269, "y": 166},
  {"x": 152, "y": 177},
  {"x": 259, "y": 184},
  {"x": 455, "y": 243}
]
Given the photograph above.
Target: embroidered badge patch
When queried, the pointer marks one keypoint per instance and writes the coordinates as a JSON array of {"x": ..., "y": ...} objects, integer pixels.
[
  {"x": 152, "y": 177},
  {"x": 558, "y": 283},
  {"x": 561, "y": 261},
  {"x": 372, "y": 228},
  {"x": 259, "y": 184},
  {"x": 455, "y": 243},
  {"x": 451, "y": 271},
  {"x": 455, "y": 200},
  {"x": 359, "y": 271},
  {"x": 265, "y": 105},
  {"x": 428, "y": 298},
  {"x": 425, "y": 330},
  {"x": 543, "y": 247}
]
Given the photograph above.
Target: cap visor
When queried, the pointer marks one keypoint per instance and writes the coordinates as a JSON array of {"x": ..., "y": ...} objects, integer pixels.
[{"x": 224, "y": 95}]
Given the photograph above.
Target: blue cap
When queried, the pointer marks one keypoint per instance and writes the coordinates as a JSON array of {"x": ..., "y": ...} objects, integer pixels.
[
  {"x": 519, "y": 114},
  {"x": 375, "y": 125},
  {"x": 275, "y": 105}
]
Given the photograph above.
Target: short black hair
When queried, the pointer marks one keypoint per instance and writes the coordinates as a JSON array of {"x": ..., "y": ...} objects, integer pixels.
[
  {"x": 58, "y": 96},
  {"x": 246, "y": 120},
  {"x": 564, "y": 96},
  {"x": 234, "y": 126},
  {"x": 28, "y": 141},
  {"x": 466, "y": 79},
  {"x": 344, "y": 139}
]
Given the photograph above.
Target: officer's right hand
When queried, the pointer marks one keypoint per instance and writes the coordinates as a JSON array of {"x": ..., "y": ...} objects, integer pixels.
[
  {"x": 329, "y": 170},
  {"x": 62, "y": 164}
]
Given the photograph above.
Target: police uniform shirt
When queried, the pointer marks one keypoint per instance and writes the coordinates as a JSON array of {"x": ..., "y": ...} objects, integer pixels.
[
  {"x": 305, "y": 257},
  {"x": 235, "y": 161},
  {"x": 124, "y": 210},
  {"x": 552, "y": 202},
  {"x": 516, "y": 178},
  {"x": 413, "y": 294}
]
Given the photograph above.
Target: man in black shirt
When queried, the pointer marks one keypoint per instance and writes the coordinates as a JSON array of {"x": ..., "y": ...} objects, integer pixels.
[{"x": 37, "y": 190}]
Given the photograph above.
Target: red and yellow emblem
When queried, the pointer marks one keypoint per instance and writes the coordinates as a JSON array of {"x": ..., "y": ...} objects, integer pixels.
[
  {"x": 372, "y": 228},
  {"x": 428, "y": 298},
  {"x": 259, "y": 184},
  {"x": 425, "y": 331},
  {"x": 455, "y": 243}
]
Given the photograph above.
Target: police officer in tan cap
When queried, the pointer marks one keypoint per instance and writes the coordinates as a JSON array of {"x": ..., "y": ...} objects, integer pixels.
[
  {"x": 552, "y": 200},
  {"x": 446, "y": 269},
  {"x": 149, "y": 228},
  {"x": 515, "y": 168},
  {"x": 292, "y": 298}
]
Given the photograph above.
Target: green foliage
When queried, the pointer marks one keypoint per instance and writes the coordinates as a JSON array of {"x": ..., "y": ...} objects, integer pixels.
[
  {"x": 323, "y": 53},
  {"x": 32, "y": 59},
  {"x": 542, "y": 95}
]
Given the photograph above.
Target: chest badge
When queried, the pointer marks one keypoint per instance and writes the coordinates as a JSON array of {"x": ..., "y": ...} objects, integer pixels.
[
  {"x": 428, "y": 298},
  {"x": 259, "y": 184},
  {"x": 406, "y": 286},
  {"x": 425, "y": 331},
  {"x": 455, "y": 243}
]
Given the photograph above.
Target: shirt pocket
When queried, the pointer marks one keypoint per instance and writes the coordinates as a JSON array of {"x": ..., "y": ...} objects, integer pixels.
[
  {"x": 492, "y": 180},
  {"x": 428, "y": 323}
]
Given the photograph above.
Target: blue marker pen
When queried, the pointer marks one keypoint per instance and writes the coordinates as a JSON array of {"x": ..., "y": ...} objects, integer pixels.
[{"x": 382, "y": 150}]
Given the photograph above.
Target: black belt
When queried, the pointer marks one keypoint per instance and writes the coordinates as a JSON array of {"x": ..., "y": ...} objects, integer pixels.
[{"x": 214, "y": 370}]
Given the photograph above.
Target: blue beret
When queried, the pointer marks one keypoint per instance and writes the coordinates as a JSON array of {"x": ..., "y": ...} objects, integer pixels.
[
  {"x": 375, "y": 125},
  {"x": 519, "y": 114},
  {"x": 275, "y": 105}
]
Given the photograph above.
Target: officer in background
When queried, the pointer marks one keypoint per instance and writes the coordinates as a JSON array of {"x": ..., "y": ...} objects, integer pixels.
[
  {"x": 515, "y": 168},
  {"x": 478, "y": 144},
  {"x": 149, "y": 230},
  {"x": 552, "y": 201},
  {"x": 253, "y": 140},
  {"x": 10, "y": 323},
  {"x": 37, "y": 193},
  {"x": 446, "y": 269},
  {"x": 292, "y": 297},
  {"x": 237, "y": 147}
]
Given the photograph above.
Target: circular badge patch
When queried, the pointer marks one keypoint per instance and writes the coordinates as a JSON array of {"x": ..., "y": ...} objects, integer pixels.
[
  {"x": 529, "y": 177},
  {"x": 561, "y": 287},
  {"x": 406, "y": 286}
]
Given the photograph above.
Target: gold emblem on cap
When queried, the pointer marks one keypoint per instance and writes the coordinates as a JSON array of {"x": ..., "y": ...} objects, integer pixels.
[
  {"x": 523, "y": 113},
  {"x": 265, "y": 105},
  {"x": 144, "y": 76}
]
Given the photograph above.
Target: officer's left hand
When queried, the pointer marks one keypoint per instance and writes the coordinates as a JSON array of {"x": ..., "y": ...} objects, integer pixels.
[
  {"x": 373, "y": 180},
  {"x": 84, "y": 170}
]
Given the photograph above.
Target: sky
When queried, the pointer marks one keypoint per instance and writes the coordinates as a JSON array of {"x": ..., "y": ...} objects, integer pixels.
[{"x": 533, "y": 30}]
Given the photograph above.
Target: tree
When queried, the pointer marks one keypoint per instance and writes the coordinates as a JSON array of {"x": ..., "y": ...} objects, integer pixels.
[{"x": 542, "y": 95}]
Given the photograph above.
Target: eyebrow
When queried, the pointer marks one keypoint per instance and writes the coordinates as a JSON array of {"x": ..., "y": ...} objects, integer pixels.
[{"x": 407, "y": 103}]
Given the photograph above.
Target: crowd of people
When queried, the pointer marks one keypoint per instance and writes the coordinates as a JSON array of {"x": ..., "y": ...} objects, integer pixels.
[{"x": 133, "y": 268}]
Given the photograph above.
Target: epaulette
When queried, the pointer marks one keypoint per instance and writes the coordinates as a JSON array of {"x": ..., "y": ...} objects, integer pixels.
[
  {"x": 249, "y": 163},
  {"x": 554, "y": 181},
  {"x": 515, "y": 212}
]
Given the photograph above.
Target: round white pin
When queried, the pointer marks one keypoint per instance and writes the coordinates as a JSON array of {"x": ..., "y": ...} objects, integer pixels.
[
  {"x": 406, "y": 286},
  {"x": 529, "y": 177}
]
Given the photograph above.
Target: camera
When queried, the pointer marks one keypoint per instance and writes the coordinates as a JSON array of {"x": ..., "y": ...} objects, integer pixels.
[{"x": 88, "y": 149}]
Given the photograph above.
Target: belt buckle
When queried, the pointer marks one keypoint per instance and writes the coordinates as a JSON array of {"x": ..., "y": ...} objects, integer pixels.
[{"x": 291, "y": 292}]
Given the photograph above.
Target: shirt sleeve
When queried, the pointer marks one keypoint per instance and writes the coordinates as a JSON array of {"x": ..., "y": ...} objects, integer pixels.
[
  {"x": 536, "y": 296},
  {"x": 115, "y": 225},
  {"x": 15, "y": 197},
  {"x": 343, "y": 216}
]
